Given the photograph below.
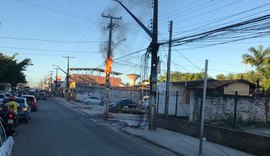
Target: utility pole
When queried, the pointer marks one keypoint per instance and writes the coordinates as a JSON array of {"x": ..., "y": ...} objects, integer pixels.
[
  {"x": 51, "y": 80},
  {"x": 108, "y": 65},
  {"x": 203, "y": 105},
  {"x": 67, "y": 77},
  {"x": 168, "y": 71},
  {"x": 153, "y": 48},
  {"x": 56, "y": 81},
  {"x": 154, "y": 63}
]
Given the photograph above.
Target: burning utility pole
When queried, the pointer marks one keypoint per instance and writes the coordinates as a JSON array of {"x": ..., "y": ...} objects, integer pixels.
[{"x": 108, "y": 64}]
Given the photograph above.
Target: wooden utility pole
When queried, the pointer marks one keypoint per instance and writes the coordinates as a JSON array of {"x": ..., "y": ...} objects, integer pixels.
[
  {"x": 109, "y": 56},
  {"x": 67, "y": 77},
  {"x": 56, "y": 81}
]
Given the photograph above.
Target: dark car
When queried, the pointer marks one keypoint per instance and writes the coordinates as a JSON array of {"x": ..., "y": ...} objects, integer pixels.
[
  {"x": 123, "y": 105},
  {"x": 22, "y": 107},
  {"x": 31, "y": 100},
  {"x": 42, "y": 95}
]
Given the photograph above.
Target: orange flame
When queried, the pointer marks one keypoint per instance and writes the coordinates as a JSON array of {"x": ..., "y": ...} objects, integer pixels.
[{"x": 108, "y": 66}]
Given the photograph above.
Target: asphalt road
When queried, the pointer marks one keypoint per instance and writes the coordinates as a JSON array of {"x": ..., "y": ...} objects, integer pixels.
[{"x": 55, "y": 130}]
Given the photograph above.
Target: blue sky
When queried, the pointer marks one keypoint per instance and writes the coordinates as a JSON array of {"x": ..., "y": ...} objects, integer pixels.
[{"x": 45, "y": 31}]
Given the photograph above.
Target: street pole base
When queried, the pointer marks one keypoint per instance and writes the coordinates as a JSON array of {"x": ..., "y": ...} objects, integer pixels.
[{"x": 106, "y": 115}]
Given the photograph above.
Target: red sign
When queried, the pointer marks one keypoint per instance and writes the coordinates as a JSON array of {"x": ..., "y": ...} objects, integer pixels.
[{"x": 58, "y": 78}]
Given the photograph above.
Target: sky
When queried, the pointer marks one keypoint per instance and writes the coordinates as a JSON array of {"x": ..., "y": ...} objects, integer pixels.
[{"x": 45, "y": 31}]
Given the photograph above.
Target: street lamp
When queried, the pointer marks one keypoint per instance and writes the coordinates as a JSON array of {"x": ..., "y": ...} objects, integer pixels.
[
  {"x": 124, "y": 39},
  {"x": 57, "y": 74}
]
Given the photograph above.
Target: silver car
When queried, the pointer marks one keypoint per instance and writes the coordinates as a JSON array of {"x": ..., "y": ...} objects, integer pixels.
[{"x": 92, "y": 100}]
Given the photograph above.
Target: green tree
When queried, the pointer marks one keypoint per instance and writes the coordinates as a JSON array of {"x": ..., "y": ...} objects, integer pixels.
[
  {"x": 220, "y": 77},
  {"x": 11, "y": 71},
  {"x": 258, "y": 59},
  {"x": 178, "y": 76}
]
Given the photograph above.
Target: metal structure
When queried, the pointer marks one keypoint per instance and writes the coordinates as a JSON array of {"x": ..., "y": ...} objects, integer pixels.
[{"x": 153, "y": 48}]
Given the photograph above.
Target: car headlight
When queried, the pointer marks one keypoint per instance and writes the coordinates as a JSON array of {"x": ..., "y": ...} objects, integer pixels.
[{"x": 25, "y": 109}]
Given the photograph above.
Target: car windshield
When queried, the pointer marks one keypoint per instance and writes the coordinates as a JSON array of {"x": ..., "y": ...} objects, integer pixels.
[
  {"x": 20, "y": 101},
  {"x": 2, "y": 96},
  {"x": 29, "y": 98},
  {"x": 94, "y": 98}
]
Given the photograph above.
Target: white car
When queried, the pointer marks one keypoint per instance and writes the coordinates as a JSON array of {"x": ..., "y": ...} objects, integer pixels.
[
  {"x": 6, "y": 143},
  {"x": 92, "y": 100},
  {"x": 2, "y": 97}
]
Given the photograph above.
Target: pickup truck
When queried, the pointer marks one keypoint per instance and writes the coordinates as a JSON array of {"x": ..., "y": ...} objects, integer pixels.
[{"x": 6, "y": 142}]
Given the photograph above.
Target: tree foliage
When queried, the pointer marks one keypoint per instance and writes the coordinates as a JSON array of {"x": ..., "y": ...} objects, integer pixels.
[
  {"x": 260, "y": 59},
  {"x": 11, "y": 71},
  {"x": 178, "y": 76}
]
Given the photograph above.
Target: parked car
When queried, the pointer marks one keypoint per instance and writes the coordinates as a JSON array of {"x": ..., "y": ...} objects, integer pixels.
[
  {"x": 2, "y": 97},
  {"x": 31, "y": 100},
  {"x": 92, "y": 100},
  {"x": 7, "y": 142},
  {"x": 123, "y": 105},
  {"x": 42, "y": 95},
  {"x": 8, "y": 94},
  {"x": 22, "y": 107},
  {"x": 32, "y": 92}
]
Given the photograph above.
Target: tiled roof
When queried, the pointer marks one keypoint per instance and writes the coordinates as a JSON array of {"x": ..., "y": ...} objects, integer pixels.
[
  {"x": 214, "y": 84},
  {"x": 93, "y": 80},
  {"x": 211, "y": 83}
]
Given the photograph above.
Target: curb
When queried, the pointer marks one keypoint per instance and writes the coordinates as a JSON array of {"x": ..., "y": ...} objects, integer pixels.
[{"x": 150, "y": 141}]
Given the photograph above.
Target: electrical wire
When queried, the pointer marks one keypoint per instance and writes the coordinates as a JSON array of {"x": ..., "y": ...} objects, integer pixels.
[
  {"x": 47, "y": 50},
  {"x": 214, "y": 21},
  {"x": 55, "y": 10},
  {"x": 46, "y": 40},
  {"x": 259, "y": 23}
]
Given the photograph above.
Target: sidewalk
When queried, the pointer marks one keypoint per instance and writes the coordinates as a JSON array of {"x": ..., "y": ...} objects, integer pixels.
[
  {"x": 182, "y": 144},
  {"x": 176, "y": 142}
]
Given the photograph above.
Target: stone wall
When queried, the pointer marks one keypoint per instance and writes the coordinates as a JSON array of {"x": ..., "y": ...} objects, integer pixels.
[
  {"x": 116, "y": 93},
  {"x": 251, "y": 143},
  {"x": 222, "y": 107}
]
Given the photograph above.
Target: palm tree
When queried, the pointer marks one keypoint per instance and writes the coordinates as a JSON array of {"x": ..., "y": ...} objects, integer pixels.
[{"x": 258, "y": 59}]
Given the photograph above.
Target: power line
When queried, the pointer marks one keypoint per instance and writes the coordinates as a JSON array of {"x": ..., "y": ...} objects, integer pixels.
[
  {"x": 214, "y": 21},
  {"x": 248, "y": 27},
  {"x": 173, "y": 12},
  {"x": 194, "y": 9},
  {"x": 47, "y": 50},
  {"x": 185, "y": 57},
  {"x": 46, "y": 40},
  {"x": 54, "y": 10},
  {"x": 207, "y": 12}
]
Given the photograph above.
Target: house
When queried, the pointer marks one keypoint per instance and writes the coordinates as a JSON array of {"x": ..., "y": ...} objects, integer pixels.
[
  {"x": 93, "y": 77},
  {"x": 227, "y": 87},
  {"x": 185, "y": 97}
]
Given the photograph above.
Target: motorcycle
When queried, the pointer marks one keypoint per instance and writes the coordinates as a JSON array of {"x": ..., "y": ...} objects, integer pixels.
[{"x": 11, "y": 121}]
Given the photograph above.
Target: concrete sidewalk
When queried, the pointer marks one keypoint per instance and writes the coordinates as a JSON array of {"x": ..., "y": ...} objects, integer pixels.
[
  {"x": 176, "y": 142},
  {"x": 182, "y": 144}
]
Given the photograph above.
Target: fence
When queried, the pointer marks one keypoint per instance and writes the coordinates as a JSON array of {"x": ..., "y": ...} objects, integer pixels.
[{"x": 176, "y": 107}]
